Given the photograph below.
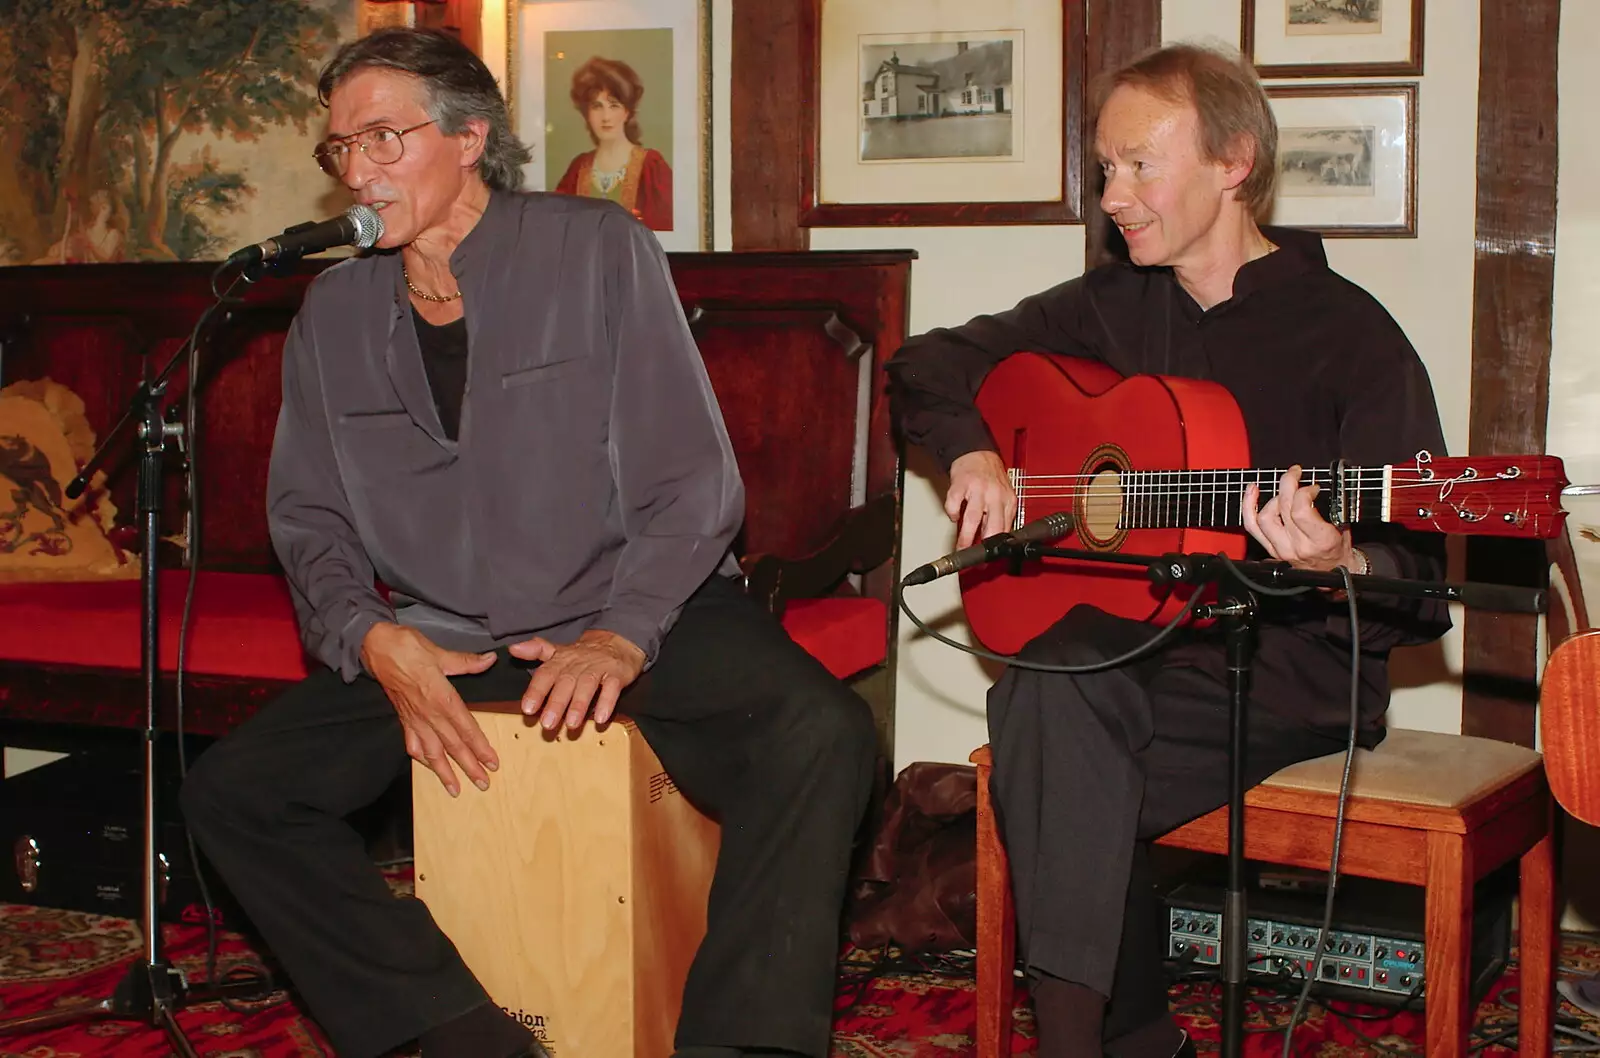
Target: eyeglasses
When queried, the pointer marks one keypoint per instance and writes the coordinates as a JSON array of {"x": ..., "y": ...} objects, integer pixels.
[{"x": 380, "y": 143}]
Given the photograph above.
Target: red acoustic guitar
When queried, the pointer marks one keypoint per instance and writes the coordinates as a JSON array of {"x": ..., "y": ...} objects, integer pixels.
[{"x": 1150, "y": 464}]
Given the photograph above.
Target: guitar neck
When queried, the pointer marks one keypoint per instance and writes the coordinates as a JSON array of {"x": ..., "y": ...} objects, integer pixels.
[
  {"x": 1210, "y": 499},
  {"x": 1517, "y": 496}
]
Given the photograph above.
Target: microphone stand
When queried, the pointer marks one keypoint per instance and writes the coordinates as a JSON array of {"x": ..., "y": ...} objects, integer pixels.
[
  {"x": 153, "y": 989},
  {"x": 1236, "y": 611}
]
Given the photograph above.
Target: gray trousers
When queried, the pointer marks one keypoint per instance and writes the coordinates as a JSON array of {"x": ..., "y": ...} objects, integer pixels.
[{"x": 1087, "y": 770}]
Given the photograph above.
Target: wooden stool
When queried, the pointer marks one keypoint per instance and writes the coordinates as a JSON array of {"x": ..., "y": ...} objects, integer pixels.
[
  {"x": 1440, "y": 811},
  {"x": 575, "y": 888}
]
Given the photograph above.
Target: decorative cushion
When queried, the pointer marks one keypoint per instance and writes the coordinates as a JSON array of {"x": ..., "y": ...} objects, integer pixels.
[
  {"x": 848, "y": 635},
  {"x": 1416, "y": 767},
  {"x": 44, "y": 439},
  {"x": 242, "y": 625}
]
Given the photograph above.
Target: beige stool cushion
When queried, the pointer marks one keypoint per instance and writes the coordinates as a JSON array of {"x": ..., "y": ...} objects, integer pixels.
[{"x": 1416, "y": 767}]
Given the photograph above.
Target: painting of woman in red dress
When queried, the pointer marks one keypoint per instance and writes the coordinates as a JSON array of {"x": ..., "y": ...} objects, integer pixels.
[{"x": 607, "y": 93}]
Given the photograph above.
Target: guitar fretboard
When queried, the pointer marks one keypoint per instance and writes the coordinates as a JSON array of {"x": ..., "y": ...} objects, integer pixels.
[{"x": 1196, "y": 499}]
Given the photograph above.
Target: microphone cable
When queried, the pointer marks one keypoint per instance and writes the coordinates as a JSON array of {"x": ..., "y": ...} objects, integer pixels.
[
  {"x": 246, "y": 971},
  {"x": 1167, "y": 631}
]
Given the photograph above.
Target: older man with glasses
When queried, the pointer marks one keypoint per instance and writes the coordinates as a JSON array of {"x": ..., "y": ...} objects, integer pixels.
[{"x": 500, "y": 414}]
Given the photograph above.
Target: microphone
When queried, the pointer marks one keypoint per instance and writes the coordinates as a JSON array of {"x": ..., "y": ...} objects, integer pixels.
[
  {"x": 1039, "y": 531},
  {"x": 357, "y": 226}
]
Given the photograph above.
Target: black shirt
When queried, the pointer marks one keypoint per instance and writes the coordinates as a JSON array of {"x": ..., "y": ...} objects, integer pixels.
[
  {"x": 444, "y": 358},
  {"x": 1320, "y": 371}
]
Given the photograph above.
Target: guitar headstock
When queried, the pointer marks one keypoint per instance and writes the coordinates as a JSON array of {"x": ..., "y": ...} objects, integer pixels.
[{"x": 1517, "y": 496}]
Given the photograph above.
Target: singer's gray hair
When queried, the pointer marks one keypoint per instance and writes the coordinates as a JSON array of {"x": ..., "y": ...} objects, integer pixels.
[{"x": 458, "y": 87}]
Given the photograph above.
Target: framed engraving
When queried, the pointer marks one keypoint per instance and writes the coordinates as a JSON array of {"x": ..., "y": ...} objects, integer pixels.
[
  {"x": 1347, "y": 158},
  {"x": 1333, "y": 38}
]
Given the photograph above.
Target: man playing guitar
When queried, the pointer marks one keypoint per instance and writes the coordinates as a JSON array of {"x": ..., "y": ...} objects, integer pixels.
[{"x": 1088, "y": 769}]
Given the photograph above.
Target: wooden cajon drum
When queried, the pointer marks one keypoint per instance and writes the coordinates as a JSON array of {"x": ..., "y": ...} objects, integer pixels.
[{"x": 575, "y": 888}]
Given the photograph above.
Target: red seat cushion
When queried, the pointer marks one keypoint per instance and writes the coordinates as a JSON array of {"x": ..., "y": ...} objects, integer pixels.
[
  {"x": 848, "y": 635},
  {"x": 242, "y": 625}
]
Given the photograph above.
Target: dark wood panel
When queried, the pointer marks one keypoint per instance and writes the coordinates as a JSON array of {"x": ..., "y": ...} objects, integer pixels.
[
  {"x": 810, "y": 365},
  {"x": 1513, "y": 279},
  {"x": 1119, "y": 30},
  {"x": 765, "y": 172},
  {"x": 240, "y": 392}
]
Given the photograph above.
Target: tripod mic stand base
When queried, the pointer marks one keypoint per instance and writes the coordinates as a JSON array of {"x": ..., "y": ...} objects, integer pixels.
[{"x": 149, "y": 993}]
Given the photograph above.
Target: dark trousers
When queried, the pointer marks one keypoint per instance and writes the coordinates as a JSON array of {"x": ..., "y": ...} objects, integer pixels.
[
  {"x": 748, "y": 725},
  {"x": 1087, "y": 770}
]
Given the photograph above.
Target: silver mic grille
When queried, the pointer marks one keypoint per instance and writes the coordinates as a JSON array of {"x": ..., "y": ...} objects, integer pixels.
[{"x": 369, "y": 226}]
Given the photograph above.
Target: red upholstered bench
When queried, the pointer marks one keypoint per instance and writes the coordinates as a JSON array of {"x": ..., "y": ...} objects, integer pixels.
[{"x": 243, "y": 626}]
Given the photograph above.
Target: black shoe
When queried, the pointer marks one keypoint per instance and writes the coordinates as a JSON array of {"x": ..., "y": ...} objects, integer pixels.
[{"x": 1185, "y": 1049}]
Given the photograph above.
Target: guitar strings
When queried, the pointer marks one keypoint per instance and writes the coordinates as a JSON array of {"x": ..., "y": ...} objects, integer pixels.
[
  {"x": 1261, "y": 476},
  {"x": 1160, "y": 493},
  {"x": 1172, "y": 489}
]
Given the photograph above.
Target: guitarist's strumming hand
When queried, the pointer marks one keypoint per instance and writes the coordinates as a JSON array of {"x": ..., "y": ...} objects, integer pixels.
[
  {"x": 1292, "y": 530},
  {"x": 981, "y": 500}
]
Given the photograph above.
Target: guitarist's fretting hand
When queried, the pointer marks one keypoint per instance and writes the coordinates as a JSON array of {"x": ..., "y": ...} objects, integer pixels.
[
  {"x": 981, "y": 500},
  {"x": 1292, "y": 530}
]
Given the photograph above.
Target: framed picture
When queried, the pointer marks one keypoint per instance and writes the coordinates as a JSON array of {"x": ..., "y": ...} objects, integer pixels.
[
  {"x": 1333, "y": 38},
  {"x": 941, "y": 114},
  {"x": 1347, "y": 158},
  {"x": 614, "y": 99}
]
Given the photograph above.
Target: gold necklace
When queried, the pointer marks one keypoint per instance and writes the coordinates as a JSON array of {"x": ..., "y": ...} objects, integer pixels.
[{"x": 423, "y": 294}]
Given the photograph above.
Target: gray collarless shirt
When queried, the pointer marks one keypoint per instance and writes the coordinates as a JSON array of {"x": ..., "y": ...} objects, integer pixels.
[{"x": 591, "y": 483}]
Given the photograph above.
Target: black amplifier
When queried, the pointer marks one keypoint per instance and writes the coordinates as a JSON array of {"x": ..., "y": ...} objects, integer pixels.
[
  {"x": 72, "y": 831},
  {"x": 1374, "y": 952},
  {"x": 72, "y": 835}
]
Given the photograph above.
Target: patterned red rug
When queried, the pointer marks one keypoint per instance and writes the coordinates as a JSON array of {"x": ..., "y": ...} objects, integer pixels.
[{"x": 889, "y": 1006}]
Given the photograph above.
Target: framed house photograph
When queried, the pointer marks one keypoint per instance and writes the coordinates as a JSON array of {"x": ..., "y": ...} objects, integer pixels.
[
  {"x": 1333, "y": 38},
  {"x": 614, "y": 99},
  {"x": 941, "y": 114},
  {"x": 1347, "y": 159}
]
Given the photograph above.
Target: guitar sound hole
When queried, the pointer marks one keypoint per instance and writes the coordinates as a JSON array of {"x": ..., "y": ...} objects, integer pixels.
[{"x": 1101, "y": 513}]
